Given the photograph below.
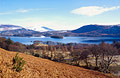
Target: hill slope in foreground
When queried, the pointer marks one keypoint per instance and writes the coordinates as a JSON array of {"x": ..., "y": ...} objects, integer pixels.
[{"x": 42, "y": 68}]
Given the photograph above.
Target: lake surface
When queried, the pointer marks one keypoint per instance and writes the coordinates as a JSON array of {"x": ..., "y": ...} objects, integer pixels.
[{"x": 86, "y": 40}]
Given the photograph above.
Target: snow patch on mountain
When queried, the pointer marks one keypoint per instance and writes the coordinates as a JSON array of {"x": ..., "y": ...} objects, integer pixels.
[
  {"x": 39, "y": 28},
  {"x": 9, "y": 27}
]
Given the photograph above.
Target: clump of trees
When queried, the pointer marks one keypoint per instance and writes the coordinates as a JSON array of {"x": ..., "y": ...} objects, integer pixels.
[
  {"x": 51, "y": 52},
  {"x": 8, "y": 44},
  {"x": 102, "y": 55}
]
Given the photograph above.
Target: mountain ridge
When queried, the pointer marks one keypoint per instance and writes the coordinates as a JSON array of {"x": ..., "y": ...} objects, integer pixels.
[{"x": 100, "y": 30}]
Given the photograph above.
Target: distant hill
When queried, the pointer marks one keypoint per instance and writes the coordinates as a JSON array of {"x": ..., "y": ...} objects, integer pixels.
[
  {"x": 42, "y": 68},
  {"x": 13, "y": 30},
  {"x": 98, "y": 30}
]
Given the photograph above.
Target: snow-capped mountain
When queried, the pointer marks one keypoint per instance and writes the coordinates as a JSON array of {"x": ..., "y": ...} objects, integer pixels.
[
  {"x": 9, "y": 27},
  {"x": 46, "y": 28},
  {"x": 13, "y": 30},
  {"x": 15, "y": 27},
  {"x": 39, "y": 28}
]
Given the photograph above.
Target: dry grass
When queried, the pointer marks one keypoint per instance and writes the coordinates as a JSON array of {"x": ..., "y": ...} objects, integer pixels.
[{"x": 42, "y": 68}]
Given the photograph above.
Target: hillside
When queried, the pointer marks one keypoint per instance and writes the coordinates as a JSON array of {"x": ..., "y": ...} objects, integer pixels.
[
  {"x": 42, "y": 68},
  {"x": 98, "y": 30}
]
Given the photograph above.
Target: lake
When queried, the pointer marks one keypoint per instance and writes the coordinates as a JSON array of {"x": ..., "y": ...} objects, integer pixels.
[{"x": 86, "y": 40}]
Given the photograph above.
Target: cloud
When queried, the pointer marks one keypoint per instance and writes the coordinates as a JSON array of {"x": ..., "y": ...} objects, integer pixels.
[
  {"x": 92, "y": 10},
  {"x": 5, "y": 13},
  {"x": 28, "y": 10},
  {"x": 24, "y": 11},
  {"x": 14, "y": 11}
]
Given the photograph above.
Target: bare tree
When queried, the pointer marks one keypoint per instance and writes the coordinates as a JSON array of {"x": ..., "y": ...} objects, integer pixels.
[
  {"x": 96, "y": 52},
  {"x": 76, "y": 57},
  {"x": 85, "y": 56},
  {"x": 107, "y": 54}
]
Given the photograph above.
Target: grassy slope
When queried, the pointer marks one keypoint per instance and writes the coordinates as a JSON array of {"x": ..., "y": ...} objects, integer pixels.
[{"x": 42, "y": 68}]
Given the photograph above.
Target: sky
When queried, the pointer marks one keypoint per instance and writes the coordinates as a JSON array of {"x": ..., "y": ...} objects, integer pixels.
[{"x": 59, "y": 14}]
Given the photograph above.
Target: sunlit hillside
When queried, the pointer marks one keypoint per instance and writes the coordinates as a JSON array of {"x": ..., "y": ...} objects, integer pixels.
[{"x": 42, "y": 68}]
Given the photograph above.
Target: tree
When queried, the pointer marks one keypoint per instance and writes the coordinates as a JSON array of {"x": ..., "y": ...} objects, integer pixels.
[
  {"x": 107, "y": 54},
  {"x": 52, "y": 53},
  {"x": 18, "y": 63},
  {"x": 59, "y": 57},
  {"x": 71, "y": 48},
  {"x": 85, "y": 56},
  {"x": 96, "y": 52},
  {"x": 76, "y": 57},
  {"x": 9, "y": 41}
]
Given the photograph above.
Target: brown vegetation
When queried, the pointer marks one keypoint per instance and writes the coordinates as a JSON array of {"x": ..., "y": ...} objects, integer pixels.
[{"x": 42, "y": 68}]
